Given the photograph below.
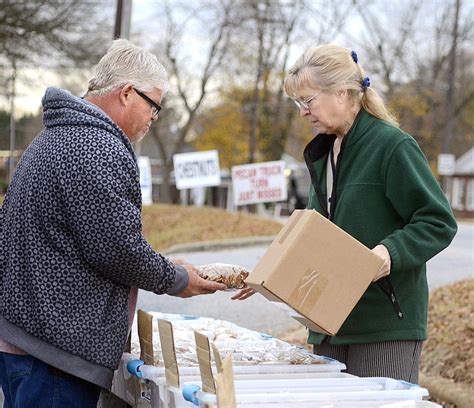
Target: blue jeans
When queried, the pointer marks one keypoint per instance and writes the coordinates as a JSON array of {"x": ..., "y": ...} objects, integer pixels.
[{"x": 28, "y": 382}]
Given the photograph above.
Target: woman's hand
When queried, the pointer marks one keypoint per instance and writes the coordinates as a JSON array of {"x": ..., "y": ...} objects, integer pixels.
[
  {"x": 243, "y": 294},
  {"x": 383, "y": 253}
]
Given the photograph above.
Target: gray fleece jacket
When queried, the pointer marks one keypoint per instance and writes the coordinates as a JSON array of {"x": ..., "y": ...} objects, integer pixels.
[{"x": 72, "y": 245}]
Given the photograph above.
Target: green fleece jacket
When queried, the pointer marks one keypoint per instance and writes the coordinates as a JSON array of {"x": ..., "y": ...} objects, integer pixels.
[{"x": 386, "y": 194}]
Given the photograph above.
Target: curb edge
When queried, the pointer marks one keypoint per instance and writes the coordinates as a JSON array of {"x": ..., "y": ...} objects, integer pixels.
[{"x": 219, "y": 245}]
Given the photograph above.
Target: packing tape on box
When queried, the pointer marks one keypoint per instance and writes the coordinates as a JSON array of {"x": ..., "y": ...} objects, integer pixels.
[
  {"x": 289, "y": 228},
  {"x": 308, "y": 291}
]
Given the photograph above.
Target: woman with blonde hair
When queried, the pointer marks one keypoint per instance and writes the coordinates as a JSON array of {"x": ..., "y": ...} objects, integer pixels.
[{"x": 372, "y": 180}]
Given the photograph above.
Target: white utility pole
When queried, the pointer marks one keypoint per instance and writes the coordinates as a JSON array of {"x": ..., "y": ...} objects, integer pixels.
[{"x": 11, "y": 164}]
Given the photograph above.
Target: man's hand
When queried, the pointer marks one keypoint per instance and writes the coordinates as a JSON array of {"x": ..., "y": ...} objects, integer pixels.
[
  {"x": 181, "y": 262},
  {"x": 383, "y": 253},
  {"x": 243, "y": 294},
  {"x": 198, "y": 285}
]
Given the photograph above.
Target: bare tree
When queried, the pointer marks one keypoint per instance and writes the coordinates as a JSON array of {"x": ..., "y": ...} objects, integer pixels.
[
  {"x": 46, "y": 33},
  {"x": 246, "y": 42},
  {"x": 262, "y": 13},
  {"x": 384, "y": 44},
  {"x": 269, "y": 30},
  {"x": 192, "y": 86},
  {"x": 418, "y": 59},
  {"x": 447, "y": 134},
  {"x": 40, "y": 34},
  {"x": 275, "y": 24}
]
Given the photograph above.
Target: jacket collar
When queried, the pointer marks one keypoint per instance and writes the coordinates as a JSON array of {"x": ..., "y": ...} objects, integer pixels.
[{"x": 319, "y": 147}]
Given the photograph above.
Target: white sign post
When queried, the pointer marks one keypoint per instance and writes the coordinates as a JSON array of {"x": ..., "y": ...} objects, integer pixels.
[
  {"x": 145, "y": 179},
  {"x": 446, "y": 164},
  {"x": 259, "y": 183},
  {"x": 198, "y": 169}
]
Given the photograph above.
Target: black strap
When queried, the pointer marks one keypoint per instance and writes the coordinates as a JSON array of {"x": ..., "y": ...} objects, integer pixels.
[
  {"x": 333, "y": 199},
  {"x": 335, "y": 172},
  {"x": 322, "y": 199},
  {"x": 315, "y": 183}
]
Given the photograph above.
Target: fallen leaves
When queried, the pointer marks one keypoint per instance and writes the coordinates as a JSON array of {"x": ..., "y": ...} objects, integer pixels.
[{"x": 449, "y": 351}]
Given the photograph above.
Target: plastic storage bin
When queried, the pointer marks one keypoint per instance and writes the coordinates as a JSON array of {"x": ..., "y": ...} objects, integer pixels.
[
  {"x": 345, "y": 404},
  {"x": 157, "y": 373},
  {"x": 153, "y": 381},
  {"x": 327, "y": 390}
]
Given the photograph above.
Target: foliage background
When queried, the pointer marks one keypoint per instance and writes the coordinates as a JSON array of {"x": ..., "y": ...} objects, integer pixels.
[{"x": 227, "y": 60}]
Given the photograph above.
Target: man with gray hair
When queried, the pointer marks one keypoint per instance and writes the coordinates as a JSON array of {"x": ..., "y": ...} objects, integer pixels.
[{"x": 73, "y": 253}]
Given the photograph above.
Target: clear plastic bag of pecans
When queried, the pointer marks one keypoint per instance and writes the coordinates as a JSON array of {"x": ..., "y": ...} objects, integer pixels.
[{"x": 232, "y": 276}]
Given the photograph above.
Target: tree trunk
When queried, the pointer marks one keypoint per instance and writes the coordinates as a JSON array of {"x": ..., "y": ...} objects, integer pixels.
[
  {"x": 165, "y": 193},
  {"x": 260, "y": 21},
  {"x": 449, "y": 129}
]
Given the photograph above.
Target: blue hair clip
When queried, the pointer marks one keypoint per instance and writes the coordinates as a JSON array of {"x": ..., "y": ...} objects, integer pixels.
[
  {"x": 365, "y": 83},
  {"x": 354, "y": 56}
]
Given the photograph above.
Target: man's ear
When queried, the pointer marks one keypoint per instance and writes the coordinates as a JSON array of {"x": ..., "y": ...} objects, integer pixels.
[{"x": 125, "y": 93}]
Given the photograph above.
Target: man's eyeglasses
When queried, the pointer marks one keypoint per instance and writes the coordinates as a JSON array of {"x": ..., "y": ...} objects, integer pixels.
[
  {"x": 155, "y": 108},
  {"x": 305, "y": 104}
]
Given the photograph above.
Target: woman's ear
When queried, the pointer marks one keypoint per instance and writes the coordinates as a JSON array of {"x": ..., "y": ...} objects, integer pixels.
[{"x": 341, "y": 95}]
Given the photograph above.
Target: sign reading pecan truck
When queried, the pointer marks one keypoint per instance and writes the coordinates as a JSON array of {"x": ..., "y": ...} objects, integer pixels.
[{"x": 259, "y": 183}]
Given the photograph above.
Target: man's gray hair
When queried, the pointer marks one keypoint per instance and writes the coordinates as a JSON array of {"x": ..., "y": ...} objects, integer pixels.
[{"x": 125, "y": 63}]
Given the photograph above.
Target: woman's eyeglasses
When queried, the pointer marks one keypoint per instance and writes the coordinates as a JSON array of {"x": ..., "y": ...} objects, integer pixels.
[{"x": 305, "y": 103}]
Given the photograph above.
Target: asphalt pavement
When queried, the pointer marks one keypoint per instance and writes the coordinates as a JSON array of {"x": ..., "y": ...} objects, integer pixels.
[{"x": 454, "y": 264}]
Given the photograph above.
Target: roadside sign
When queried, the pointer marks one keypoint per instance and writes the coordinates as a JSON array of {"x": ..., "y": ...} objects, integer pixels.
[
  {"x": 197, "y": 169},
  {"x": 259, "y": 183},
  {"x": 446, "y": 164},
  {"x": 145, "y": 179}
]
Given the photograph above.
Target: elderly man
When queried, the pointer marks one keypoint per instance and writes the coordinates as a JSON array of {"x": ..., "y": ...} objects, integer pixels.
[{"x": 72, "y": 249}]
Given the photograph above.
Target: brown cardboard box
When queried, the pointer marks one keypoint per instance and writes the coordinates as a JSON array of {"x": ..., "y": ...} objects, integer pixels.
[{"x": 317, "y": 269}]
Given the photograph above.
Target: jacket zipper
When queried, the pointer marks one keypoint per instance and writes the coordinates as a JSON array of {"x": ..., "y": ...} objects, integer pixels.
[{"x": 390, "y": 292}]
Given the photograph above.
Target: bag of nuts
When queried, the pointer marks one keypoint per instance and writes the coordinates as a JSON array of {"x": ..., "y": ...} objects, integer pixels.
[{"x": 232, "y": 276}]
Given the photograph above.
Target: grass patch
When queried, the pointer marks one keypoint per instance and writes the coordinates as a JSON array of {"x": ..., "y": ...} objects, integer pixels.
[{"x": 167, "y": 225}]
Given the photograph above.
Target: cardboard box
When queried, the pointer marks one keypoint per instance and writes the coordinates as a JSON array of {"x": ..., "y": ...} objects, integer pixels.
[{"x": 316, "y": 269}]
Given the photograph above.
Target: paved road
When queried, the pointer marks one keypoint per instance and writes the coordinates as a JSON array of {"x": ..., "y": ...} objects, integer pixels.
[
  {"x": 456, "y": 262},
  {"x": 453, "y": 264}
]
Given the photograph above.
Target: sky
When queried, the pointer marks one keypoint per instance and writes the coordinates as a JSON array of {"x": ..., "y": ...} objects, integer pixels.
[
  {"x": 33, "y": 82},
  {"x": 144, "y": 26}
]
